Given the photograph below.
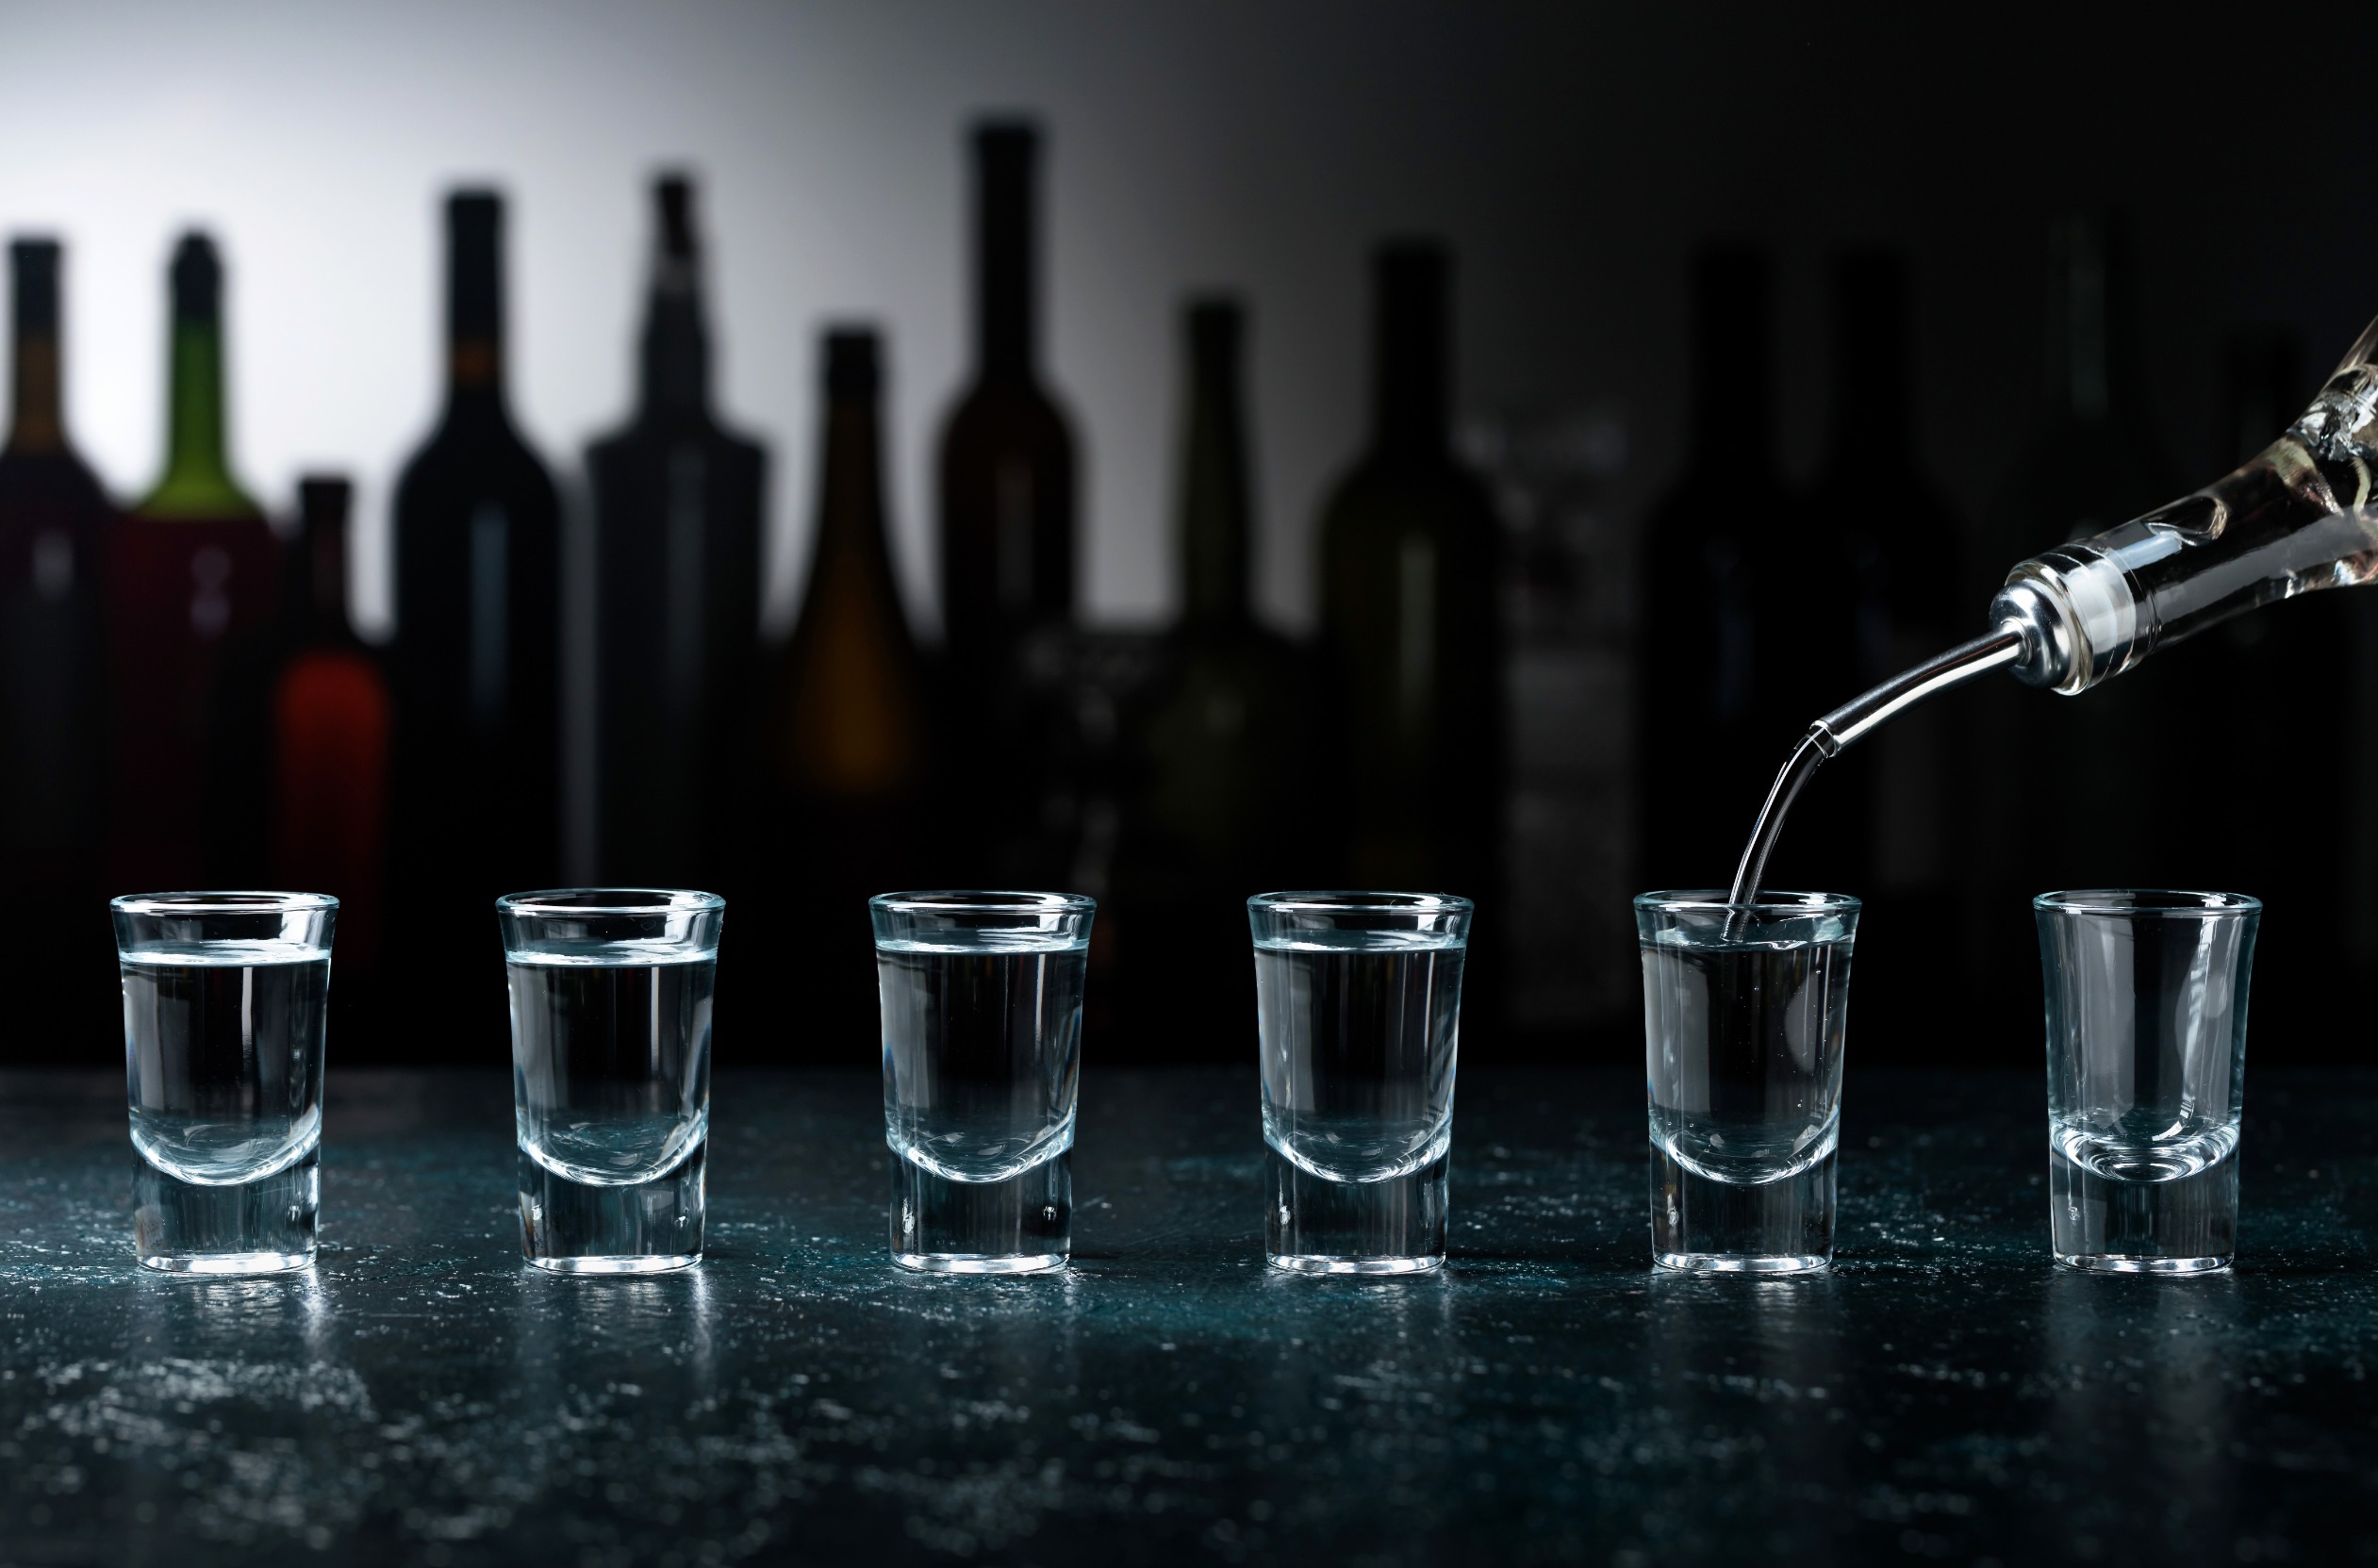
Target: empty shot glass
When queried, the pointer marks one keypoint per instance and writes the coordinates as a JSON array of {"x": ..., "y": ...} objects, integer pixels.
[
  {"x": 611, "y": 1006},
  {"x": 2146, "y": 1015},
  {"x": 1745, "y": 1009},
  {"x": 981, "y": 1007},
  {"x": 226, "y": 1007},
  {"x": 1357, "y": 1001}
]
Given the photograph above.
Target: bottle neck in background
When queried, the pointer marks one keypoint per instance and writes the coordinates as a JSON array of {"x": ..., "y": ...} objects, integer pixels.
[
  {"x": 474, "y": 306},
  {"x": 849, "y": 480},
  {"x": 198, "y": 480},
  {"x": 1006, "y": 334},
  {"x": 675, "y": 359},
  {"x": 317, "y": 567},
  {"x": 1215, "y": 506},
  {"x": 36, "y": 421},
  {"x": 1410, "y": 368}
]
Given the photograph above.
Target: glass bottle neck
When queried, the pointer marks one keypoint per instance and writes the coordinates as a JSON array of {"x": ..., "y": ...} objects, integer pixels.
[
  {"x": 1214, "y": 501},
  {"x": 474, "y": 377},
  {"x": 850, "y": 493},
  {"x": 198, "y": 480},
  {"x": 676, "y": 354},
  {"x": 1005, "y": 342},
  {"x": 37, "y": 426}
]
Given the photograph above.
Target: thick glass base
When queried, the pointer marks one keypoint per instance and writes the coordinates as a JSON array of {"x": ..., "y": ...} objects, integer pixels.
[
  {"x": 1023, "y": 1224},
  {"x": 2187, "y": 1225},
  {"x": 638, "y": 1228},
  {"x": 263, "y": 1227},
  {"x": 1705, "y": 1227},
  {"x": 1317, "y": 1226}
]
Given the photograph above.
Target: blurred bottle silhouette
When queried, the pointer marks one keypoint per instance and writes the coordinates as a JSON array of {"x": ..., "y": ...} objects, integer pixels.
[
  {"x": 2094, "y": 463},
  {"x": 844, "y": 748},
  {"x": 678, "y": 523},
  {"x": 301, "y": 738},
  {"x": 1223, "y": 803},
  {"x": 192, "y": 569},
  {"x": 54, "y": 528},
  {"x": 1409, "y": 628},
  {"x": 476, "y": 660},
  {"x": 1007, "y": 539},
  {"x": 1888, "y": 585},
  {"x": 1725, "y": 665}
]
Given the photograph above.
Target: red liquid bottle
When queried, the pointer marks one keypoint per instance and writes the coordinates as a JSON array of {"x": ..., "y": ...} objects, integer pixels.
[
  {"x": 191, "y": 569},
  {"x": 302, "y": 742}
]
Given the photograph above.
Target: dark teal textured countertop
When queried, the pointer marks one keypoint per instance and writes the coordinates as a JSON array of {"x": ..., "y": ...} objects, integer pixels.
[{"x": 1944, "y": 1394}]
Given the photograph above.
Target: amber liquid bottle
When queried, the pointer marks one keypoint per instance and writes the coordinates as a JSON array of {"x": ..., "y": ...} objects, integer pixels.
[
  {"x": 54, "y": 526},
  {"x": 193, "y": 569},
  {"x": 1007, "y": 533},
  {"x": 844, "y": 748},
  {"x": 1409, "y": 585},
  {"x": 678, "y": 525},
  {"x": 303, "y": 743},
  {"x": 476, "y": 810},
  {"x": 1223, "y": 805}
]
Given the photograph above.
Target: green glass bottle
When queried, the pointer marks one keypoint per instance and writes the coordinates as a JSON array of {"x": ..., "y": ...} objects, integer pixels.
[
  {"x": 1409, "y": 585},
  {"x": 191, "y": 569}
]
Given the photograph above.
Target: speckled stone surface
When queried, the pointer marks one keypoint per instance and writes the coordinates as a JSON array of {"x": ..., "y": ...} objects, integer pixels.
[{"x": 1944, "y": 1393}]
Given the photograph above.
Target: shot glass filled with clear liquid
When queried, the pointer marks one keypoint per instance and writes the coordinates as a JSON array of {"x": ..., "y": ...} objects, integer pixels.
[
  {"x": 611, "y": 1005},
  {"x": 982, "y": 999},
  {"x": 2146, "y": 1015},
  {"x": 1358, "y": 1003},
  {"x": 1745, "y": 1012},
  {"x": 226, "y": 1007}
]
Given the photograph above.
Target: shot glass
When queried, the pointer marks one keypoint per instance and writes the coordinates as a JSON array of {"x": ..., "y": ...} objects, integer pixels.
[
  {"x": 611, "y": 1002},
  {"x": 2146, "y": 1015},
  {"x": 1357, "y": 1001},
  {"x": 982, "y": 998},
  {"x": 1745, "y": 1014},
  {"x": 225, "y": 1007}
]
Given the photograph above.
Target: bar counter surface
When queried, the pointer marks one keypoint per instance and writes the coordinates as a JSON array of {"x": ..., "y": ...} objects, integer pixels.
[{"x": 1945, "y": 1393}]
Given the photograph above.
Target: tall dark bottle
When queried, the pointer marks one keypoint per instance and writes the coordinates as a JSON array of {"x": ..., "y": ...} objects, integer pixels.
[
  {"x": 1409, "y": 587},
  {"x": 1718, "y": 687},
  {"x": 54, "y": 525},
  {"x": 477, "y": 651},
  {"x": 1007, "y": 537},
  {"x": 677, "y": 526},
  {"x": 193, "y": 568},
  {"x": 845, "y": 736},
  {"x": 302, "y": 734},
  {"x": 1223, "y": 797}
]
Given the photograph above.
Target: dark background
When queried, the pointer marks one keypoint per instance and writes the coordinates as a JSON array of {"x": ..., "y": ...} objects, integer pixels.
[{"x": 1573, "y": 157}]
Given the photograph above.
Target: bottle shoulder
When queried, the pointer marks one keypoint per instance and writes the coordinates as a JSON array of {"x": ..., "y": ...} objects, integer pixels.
[
  {"x": 998, "y": 418},
  {"x": 1377, "y": 499},
  {"x": 460, "y": 465},
  {"x": 59, "y": 483}
]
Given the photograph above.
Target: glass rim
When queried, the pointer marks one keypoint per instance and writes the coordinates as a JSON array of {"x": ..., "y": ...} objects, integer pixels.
[
  {"x": 1328, "y": 901},
  {"x": 2183, "y": 902},
  {"x": 1779, "y": 903},
  {"x": 964, "y": 901},
  {"x": 575, "y": 901},
  {"x": 227, "y": 902}
]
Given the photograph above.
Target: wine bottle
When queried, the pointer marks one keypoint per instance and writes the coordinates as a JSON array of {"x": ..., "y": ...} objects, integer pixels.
[
  {"x": 1716, "y": 657},
  {"x": 54, "y": 522},
  {"x": 1007, "y": 539},
  {"x": 192, "y": 569},
  {"x": 1409, "y": 585},
  {"x": 302, "y": 740},
  {"x": 845, "y": 745},
  {"x": 476, "y": 810},
  {"x": 1222, "y": 808},
  {"x": 677, "y": 526}
]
